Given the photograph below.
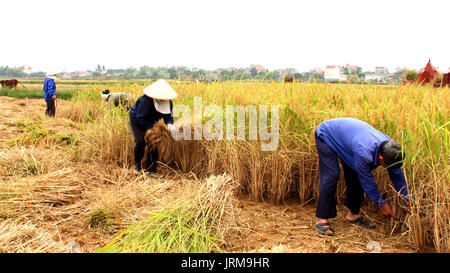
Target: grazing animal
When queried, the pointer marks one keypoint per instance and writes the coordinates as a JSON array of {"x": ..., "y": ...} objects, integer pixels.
[
  {"x": 288, "y": 79},
  {"x": 9, "y": 83},
  {"x": 446, "y": 80}
]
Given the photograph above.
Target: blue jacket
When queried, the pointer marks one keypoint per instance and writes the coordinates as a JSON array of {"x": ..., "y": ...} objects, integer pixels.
[
  {"x": 356, "y": 143},
  {"x": 49, "y": 88},
  {"x": 144, "y": 114}
]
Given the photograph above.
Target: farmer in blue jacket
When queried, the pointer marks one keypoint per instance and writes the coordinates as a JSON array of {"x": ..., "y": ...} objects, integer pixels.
[
  {"x": 50, "y": 94},
  {"x": 361, "y": 149},
  {"x": 156, "y": 103}
]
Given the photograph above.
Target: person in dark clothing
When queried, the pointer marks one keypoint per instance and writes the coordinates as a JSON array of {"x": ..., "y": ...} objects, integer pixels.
[
  {"x": 50, "y": 94},
  {"x": 156, "y": 103},
  {"x": 361, "y": 149},
  {"x": 51, "y": 108}
]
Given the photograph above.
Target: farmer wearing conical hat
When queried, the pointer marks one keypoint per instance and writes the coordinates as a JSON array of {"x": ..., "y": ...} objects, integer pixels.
[
  {"x": 361, "y": 149},
  {"x": 156, "y": 103},
  {"x": 50, "y": 93}
]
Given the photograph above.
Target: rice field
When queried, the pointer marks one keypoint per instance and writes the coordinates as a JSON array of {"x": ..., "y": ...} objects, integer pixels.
[{"x": 75, "y": 172}]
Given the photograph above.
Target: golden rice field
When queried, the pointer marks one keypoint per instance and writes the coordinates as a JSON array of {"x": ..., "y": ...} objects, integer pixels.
[{"x": 74, "y": 173}]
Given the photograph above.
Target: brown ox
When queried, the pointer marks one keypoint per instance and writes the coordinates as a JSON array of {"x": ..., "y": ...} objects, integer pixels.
[
  {"x": 9, "y": 83},
  {"x": 446, "y": 79},
  {"x": 288, "y": 79}
]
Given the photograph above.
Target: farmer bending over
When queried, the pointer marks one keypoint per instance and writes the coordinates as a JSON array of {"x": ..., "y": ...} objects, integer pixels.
[
  {"x": 156, "y": 103},
  {"x": 361, "y": 149},
  {"x": 115, "y": 98}
]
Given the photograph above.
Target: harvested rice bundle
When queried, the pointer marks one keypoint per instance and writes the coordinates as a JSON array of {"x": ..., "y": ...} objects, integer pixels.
[
  {"x": 197, "y": 222},
  {"x": 159, "y": 137},
  {"x": 185, "y": 154}
]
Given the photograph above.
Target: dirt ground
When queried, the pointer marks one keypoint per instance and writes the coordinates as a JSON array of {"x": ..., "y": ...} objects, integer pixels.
[{"x": 72, "y": 191}]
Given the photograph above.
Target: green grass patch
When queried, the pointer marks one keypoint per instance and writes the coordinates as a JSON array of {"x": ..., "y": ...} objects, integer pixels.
[
  {"x": 21, "y": 93},
  {"x": 21, "y": 167},
  {"x": 102, "y": 218},
  {"x": 181, "y": 229},
  {"x": 34, "y": 133}
]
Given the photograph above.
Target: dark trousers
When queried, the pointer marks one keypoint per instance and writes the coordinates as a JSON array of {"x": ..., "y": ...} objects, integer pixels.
[
  {"x": 329, "y": 175},
  {"x": 139, "y": 150},
  {"x": 50, "y": 108}
]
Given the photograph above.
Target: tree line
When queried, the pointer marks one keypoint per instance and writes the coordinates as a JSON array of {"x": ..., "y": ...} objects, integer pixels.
[
  {"x": 186, "y": 73},
  {"x": 12, "y": 72},
  {"x": 183, "y": 72}
]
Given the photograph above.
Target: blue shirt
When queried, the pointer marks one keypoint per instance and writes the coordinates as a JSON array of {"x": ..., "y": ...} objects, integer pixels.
[
  {"x": 49, "y": 88},
  {"x": 356, "y": 143},
  {"x": 144, "y": 114}
]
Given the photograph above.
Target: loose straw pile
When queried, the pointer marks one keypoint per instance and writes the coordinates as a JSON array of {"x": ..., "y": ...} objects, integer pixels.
[{"x": 26, "y": 237}]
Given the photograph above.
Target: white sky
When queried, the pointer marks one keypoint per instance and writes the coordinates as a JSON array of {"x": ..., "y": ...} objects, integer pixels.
[{"x": 78, "y": 35}]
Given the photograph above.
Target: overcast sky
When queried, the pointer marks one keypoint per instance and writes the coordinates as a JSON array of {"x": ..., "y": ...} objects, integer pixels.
[{"x": 78, "y": 35}]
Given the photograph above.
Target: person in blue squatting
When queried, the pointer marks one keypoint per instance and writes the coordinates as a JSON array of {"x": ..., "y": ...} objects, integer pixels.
[
  {"x": 50, "y": 94},
  {"x": 361, "y": 148},
  {"x": 156, "y": 103}
]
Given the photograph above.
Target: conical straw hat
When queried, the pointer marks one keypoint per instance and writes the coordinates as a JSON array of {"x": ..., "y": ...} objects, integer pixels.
[
  {"x": 160, "y": 90},
  {"x": 51, "y": 73}
]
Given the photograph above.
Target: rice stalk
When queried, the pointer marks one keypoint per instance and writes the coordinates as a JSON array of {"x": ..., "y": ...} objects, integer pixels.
[
  {"x": 28, "y": 238},
  {"x": 197, "y": 222},
  {"x": 415, "y": 116}
]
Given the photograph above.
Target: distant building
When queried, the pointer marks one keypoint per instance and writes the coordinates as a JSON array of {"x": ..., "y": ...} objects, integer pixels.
[
  {"x": 26, "y": 69},
  {"x": 334, "y": 73},
  {"x": 380, "y": 75},
  {"x": 317, "y": 70},
  {"x": 352, "y": 69},
  {"x": 372, "y": 77},
  {"x": 78, "y": 74},
  {"x": 286, "y": 71},
  {"x": 382, "y": 71},
  {"x": 343, "y": 78},
  {"x": 81, "y": 74},
  {"x": 66, "y": 76},
  {"x": 259, "y": 68},
  {"x": 231, "y": 68}
]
